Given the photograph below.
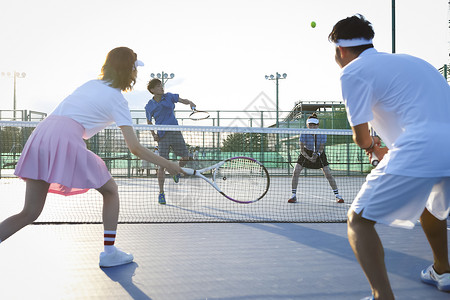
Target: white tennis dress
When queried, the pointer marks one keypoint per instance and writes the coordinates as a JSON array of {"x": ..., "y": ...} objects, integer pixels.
[{"x": 56, "y": 151}]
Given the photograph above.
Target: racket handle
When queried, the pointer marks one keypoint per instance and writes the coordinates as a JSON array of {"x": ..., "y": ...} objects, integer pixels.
[
  {"x": 374, "y": 161},
  {"x": 188, "y": 171}
]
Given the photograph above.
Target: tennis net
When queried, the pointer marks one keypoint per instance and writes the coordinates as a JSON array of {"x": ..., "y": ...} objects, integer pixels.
[{"x": 192, "y": 199}]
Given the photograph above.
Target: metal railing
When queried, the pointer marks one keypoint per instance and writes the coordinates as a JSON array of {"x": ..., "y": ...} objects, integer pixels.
[{"x": 21, "y": 115}]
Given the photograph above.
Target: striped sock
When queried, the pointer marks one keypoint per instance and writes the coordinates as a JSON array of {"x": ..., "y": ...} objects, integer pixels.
[
  {"x": 294, "y": 192},
  {"x": 336, "y": 192},
  {"x": 109, "y": 239}
]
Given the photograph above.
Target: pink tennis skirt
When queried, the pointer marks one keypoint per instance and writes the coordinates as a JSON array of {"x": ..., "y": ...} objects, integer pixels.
[{"x": 56, "y": 153}]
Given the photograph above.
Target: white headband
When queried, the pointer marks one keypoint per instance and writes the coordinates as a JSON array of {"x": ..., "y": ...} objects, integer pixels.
[
  {"x": 353, "y": 42},
  {"x": 312, "y": 121}
]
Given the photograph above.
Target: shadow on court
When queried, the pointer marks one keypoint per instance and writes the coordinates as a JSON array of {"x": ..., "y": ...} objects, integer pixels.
[
  {"x": 195, "y": 261},
  {"x": 407, "y": 253},
  {"x": 124, "y": 276},
  {"x": 334, "y": 244}
]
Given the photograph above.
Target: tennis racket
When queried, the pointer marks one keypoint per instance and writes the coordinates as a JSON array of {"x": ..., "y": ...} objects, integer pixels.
[
  {"x": 374, "y": 160},
  {"x": 315, "y": 142},
  {"x": 197, "y": 115},
  {"x": 239, "y": 179},
  {"x": 316, "y": 151}
]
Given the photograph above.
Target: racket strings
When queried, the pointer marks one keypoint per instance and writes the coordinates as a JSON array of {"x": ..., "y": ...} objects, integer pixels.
[
  {"x": 199, "y": 115},
  {"x": 242, "y": 180}
]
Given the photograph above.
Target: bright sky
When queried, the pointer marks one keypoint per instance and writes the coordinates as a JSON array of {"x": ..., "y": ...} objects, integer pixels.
[{"x": 220, "y": 51}]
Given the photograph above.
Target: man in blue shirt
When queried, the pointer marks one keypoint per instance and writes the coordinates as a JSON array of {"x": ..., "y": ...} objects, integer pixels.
[{"x": 161, "y": 108}]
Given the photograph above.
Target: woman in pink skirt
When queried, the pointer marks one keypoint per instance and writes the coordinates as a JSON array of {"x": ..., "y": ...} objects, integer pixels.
[{"x": 55, "y": 158}]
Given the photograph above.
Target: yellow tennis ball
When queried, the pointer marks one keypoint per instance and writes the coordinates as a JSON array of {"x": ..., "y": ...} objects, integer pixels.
[{"x": 313, "y": 24}]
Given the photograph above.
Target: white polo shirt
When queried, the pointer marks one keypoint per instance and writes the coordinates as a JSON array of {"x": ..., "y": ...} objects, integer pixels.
[
  {"x": 95, "y": 105},
  {"x": 407, "y": 102}
]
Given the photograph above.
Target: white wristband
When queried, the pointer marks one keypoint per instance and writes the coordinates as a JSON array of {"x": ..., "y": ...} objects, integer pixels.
[{"x": 371, "y": 145}]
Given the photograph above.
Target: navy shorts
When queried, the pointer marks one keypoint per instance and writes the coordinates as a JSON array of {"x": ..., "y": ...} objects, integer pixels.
[{"x": 174, "y": 140}]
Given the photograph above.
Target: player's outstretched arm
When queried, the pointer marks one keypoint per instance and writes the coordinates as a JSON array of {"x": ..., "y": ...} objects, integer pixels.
[
  {"x": 187, "y": 102},
  {"x": 142, "y": 152}
]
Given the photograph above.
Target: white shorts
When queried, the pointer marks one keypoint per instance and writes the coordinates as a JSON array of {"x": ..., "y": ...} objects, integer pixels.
[{"x": 398, "y": 200}]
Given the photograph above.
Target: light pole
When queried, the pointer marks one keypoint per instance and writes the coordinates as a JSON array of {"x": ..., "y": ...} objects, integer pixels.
[
  {"x": 276, "y": 77},
  {"x": 163, "y": 76},
  {"x": 393, "y": 25},
  {"x": 15, "y": 75}
]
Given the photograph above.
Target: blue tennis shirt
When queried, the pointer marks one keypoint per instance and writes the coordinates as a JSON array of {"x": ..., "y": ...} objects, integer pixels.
[
  {"x": 162, "y": 111},
  {"x": 308, "y": 140}
]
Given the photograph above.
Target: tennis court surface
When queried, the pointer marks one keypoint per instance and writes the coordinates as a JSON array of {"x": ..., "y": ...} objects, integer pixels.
[
  {"x": 207, "y": 261},
  {"x": 201, "y": 245}
]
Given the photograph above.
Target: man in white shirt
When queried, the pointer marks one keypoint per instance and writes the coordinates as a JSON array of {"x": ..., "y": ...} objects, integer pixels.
[{"x": 407, "y": 102}]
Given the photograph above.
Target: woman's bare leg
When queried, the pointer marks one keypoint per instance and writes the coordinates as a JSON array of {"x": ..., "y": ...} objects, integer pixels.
[
  {"x": 35, "y": 195},
  {"x": 110, "y": 193}
]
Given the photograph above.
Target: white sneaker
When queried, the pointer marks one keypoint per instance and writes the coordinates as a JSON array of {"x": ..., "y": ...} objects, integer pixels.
[
  {"x": 115, "y": 258},
  {"x": 442, "y": 282}
]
